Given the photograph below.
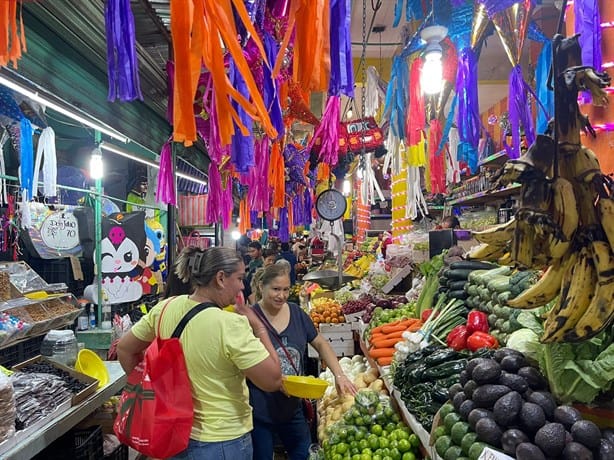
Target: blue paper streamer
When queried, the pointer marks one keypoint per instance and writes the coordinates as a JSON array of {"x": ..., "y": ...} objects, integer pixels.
[{"x": 26, "y": 172}]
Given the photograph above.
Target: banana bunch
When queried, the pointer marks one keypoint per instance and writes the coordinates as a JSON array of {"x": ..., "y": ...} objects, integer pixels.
[{"x": 360, "y": 267}]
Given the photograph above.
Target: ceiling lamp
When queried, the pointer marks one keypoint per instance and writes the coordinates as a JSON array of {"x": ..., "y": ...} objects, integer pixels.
[{"x": 432, "y": 70}]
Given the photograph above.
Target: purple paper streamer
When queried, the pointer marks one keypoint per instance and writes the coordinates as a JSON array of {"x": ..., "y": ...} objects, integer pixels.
[
  {"x": 271, "y": 85},
  {"x": 284, "y": 230},
  {"x": 519, "y": 112},
  {"x": 165, "y": 191},
  {"x": 256, "y": 180},
  {"x": 341, "y": 71},
  {"x": 587, "y": 23},
  {"x": 494, "y": 6},
  {"x": 242, "y": 147},
  {"x": 328, "y": 132},
  {"x": 468, "y": 118},
  {"x": 122, "y": 62},
  {"x": 170, "y": 75}
]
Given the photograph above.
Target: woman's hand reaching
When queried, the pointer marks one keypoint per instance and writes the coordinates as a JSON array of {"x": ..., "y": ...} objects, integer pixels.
[{"x": 344, "y": 385}]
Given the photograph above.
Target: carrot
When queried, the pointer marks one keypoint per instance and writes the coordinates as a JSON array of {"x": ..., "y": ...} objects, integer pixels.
[
  {"x": 386, "y": 343},
  {"x": 378, "y": 335},
  {"x": 381, "y": 352},
  {"x": 384, "y": 360},
  {"x": 414, "y": 327},
  {"x": 396, "y": 328}
]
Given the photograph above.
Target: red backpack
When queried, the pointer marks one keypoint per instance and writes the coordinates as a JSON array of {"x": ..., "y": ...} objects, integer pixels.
[{"x": 156, "y": 411}]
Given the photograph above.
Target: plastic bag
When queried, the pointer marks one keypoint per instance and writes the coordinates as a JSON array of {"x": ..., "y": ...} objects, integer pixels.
[{"x": 7, "y": 408}]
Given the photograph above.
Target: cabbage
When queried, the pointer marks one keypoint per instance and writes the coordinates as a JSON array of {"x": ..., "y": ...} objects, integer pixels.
[{"x": 527, "y": 342}]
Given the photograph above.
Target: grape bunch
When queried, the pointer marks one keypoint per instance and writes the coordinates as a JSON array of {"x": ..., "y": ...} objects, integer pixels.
[
  {"x": 73, "y": 384},
  {"x": 354, "y": 306}
]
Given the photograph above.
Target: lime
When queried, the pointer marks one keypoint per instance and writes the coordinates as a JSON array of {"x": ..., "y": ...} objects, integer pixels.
[
  {"x": 337, "y": 457},
  {"x": 363, "y": 444},
  {"x": 395, "y": 454},
  {"x": 376, "y": 457},
  {"x": 384, "y": 442},
  {"x": 393, "y": 436},
  {"x": 341, "y": 448},
  {"x": 414, "y": 440},
  {"x": 402, "y": 433},
  {"x": 367, "y": 456},
  {"x": 377, "y": 429},
  {"x": 408, "y": 456},
  {"x": 373, "y": 442},
  {"x": 390, "y": 427},
  {"x": 404, "y": 445}
]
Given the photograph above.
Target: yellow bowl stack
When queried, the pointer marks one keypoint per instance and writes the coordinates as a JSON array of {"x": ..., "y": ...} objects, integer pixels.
[
  {"x": 305, "y": 386},
  {"x": 89, "y": 363}
]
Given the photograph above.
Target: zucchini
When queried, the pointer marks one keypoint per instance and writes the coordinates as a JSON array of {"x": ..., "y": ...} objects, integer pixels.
[
  {"x": 457, "y": 285},
  {"x": 503, "y": 297},
  {"x": 471, "y": 289},
  {"x": 459, "y": 294},
  {"x": 474, "y": 276},
  {"x": 460, "y": 274},
  {"x": 471, "y": 265},
  {"x": 499, "y": 284},
  {"x": 443, "y": 281}
]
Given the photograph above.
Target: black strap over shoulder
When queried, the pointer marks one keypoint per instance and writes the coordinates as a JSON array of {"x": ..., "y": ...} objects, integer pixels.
[{"x": 189, "y": 315}]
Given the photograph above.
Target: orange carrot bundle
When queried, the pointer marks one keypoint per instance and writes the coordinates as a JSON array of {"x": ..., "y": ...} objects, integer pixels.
[
  {"x": 384, "y": 360},
  {"x": 386, "y": 342},
  {"x": 381, "y": 352}
]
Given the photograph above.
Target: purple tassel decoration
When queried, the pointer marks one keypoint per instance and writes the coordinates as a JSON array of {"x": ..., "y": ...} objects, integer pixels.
[
  {"x": 328, "y": 132},
  {"x": 165, "y": 192},
  {"x": 341, "y": 72},
  {"x": 519, "y": 112},
  {"x": 242, "y": 147},
  {"x": 468, "y": 118},
  {"x": 170, "y": 74},
  {"x": 284, "y": 229},
  {"x": 587, "y": 23},
  {"x": 122, "y": 62}
]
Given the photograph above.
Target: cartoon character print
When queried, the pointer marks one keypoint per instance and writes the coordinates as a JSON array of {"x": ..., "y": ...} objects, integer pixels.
[
  {"x": 148, "y": 281},
  {"x": 159, "y": 263},
  {"x": 120, "y": 250},
  {"x": 286, "y": 366}
]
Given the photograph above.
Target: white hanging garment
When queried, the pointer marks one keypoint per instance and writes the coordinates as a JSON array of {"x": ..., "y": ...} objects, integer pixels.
[
  {"x": 452, "y": 171},
  {"x": 26, "y": 217},
  {"x": 46, "y": 147},
  {"x": 372, "y": 93},
  {"x": 416, "y": 203}
]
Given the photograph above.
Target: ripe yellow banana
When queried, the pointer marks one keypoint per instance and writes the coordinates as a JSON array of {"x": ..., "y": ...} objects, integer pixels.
[
  {"x": 606, "y": 210},
  {"x": 565, "y": 214},
  {"x": 486, "y": 252},
  {"x": 577, "y": 291},
  {"x": 586, "y": 197},
  {"x": 600, "y": 312},
  {"x": 585, "y": 165},
  {"x": 505, "y": 259},
  {"x": 499, "y": 235},
  {"x": 546, "y": 289}
]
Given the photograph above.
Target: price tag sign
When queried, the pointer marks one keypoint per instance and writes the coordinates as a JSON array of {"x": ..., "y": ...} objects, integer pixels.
[
  {"x": 60, "y": 230},
  {"x": 491, "y": 454}
]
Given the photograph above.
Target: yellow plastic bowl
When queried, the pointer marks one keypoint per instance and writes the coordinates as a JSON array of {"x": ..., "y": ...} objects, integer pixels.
[
  {"x": 89, "y": 363},
  {"x": 305, "y": 386}
]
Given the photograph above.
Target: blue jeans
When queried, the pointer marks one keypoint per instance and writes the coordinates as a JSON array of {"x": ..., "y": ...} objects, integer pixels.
[
  {"x": 235, "y": 449},
  {"x": 294, "y": 435}
]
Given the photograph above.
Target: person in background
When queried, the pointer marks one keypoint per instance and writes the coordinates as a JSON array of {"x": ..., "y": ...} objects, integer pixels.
[
  {"x": 288, "y": 255},
  {"x": 256, "y": 294},
  {"x": 450, "y": 222},
  {"x": 221, "y": 350},
  {"x": 290, "y": 330},
  {"x": 269, "y": 256},
  {"x": 174, "y": 284},
  {"x": 254, "y": 251}
]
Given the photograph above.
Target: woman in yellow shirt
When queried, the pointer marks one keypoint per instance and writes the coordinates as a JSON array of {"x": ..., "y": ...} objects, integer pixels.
[{"x": 221, "y": 349}]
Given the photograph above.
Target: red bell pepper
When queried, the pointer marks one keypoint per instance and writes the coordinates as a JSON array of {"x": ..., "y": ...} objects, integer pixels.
[
  {"x": 457, "y": 338},
  {"x": 426, "y": 314},
  {"x": 477, "y": 321},
  {"x": 479, "y": 340}
]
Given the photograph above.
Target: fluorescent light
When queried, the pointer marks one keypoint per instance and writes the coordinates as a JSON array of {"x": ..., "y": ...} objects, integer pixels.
[
  {"x": 96, "y": 166},
  {"x": 347, "y": 187},
  {"x": 235, "y": 235},
  {"x": 130, "y": 156},
  {"x": 35, "y": 96}
]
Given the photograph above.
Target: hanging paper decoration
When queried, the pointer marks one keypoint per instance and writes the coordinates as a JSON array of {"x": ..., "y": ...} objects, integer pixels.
[
  {"x": 165, "y": 190},
  {"x": 12, "y": 35},
  {"x": 3, "y": 139},
  {"x": 46, "y": 148},
  {"x": 271, "y": 85},
  {"x": 196, "y": 41},
  {"x": 587, "y": 23},
  {"x": 375, "y": 92},
  {"x": 542, "y": 70},
  {"x": 122, "y": 62},
  {"x": 26, "y": 167},
  {"x": 277, "y": 176},
  {"x": 242, "y": 146},
  {"x": 328, "y": 132},
  {"x": 297, "y": 105},
  {"x": 436, "y": 161},
  {"x": 341, "y": 72},
  {"x": 511, "y": 19},
  {"x": 401, "y": 215},
  {"x": 256, "y": 179},
  {"x": 413, "y": 10},
  {"x": 414, "y": 122},
  {"x": 363, "y": 134},
  {"x": 395, "y": 105}
]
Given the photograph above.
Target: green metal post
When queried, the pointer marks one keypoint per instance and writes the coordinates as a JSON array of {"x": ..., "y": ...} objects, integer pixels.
[{"x": 98, "y": 239}]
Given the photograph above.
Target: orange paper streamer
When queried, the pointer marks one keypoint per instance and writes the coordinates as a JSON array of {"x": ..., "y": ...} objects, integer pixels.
[
  {"x": 196, "y": 39},
  {"x": 12, "y": 38},
  {"x": 244, "y": 217},
  {"x": 277, "y": 176}
]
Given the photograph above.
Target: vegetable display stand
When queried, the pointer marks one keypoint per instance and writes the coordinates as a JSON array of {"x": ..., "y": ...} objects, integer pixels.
[{"x": 26, "y": 447}]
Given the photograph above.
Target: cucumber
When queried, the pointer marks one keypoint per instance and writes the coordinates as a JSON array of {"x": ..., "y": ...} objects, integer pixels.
[
  {"x": 457, "y": 285},
  {"x": 471, "y": 289},
  {"x": 471, "y": 265},
  {"x": 474, "y": 276},
  {"x": 499, "y": 284},
  {"x": 460, "y": 294},
  {"x": 460, "y": 274}
]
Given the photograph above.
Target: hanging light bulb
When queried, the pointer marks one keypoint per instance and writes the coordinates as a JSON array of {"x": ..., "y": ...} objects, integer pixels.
[
  {"x": 96, "y": 166},
  {"x": 359, "y": 172},
  {"x": 349, "y": 114},
  {"x": 347, "y": 187},
  {"x": 431, "y": 78}
]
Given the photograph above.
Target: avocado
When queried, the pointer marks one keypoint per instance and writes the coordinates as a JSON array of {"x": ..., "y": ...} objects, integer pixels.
[
  {"x": 576, "y": 451},
  {"x": 551, "y": 438},
  {"x": 532, "y": 417},
  {"x": 534, "y": 378},
  {"x": 503, "y": 352},
  {"x": 477, "y": 414},
  {"x": 452, "y": 453},
  {"x": 442, "y": 444},
  {"x": 528, "y": 451},
  {"x": 487, "y": 372},
  {"x": 606, "y": 450},
  {"x": 488, "y": 431},
  {"x": 566, "y": 415},
  {"x": 459, "y": 429},
  {"x": 467, "y": 442},
  {"x": 515, "y": 382},
  {"x": 587, "y": 433},
  {"x": 454, "y": 389},
  {"x": 450, "y": 420},
  {"x": 507, "y": 408},
  {"x": 545, "y": 400},
  {"x": 469, "y": 388},
  {"x": 474, "y": 362},
  {"x": 459, "y": 398},
  {"x": 463, "y": 377},
  {"x": 466, "y": 408},
  {"x": 487, "y": 395},
  {"x": 512, "y": 363},
  {"x": 511, "y": 438}
]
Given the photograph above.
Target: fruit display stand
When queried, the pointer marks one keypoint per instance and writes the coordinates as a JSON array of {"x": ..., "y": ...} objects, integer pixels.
[{"x": 26, "y": 446}]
